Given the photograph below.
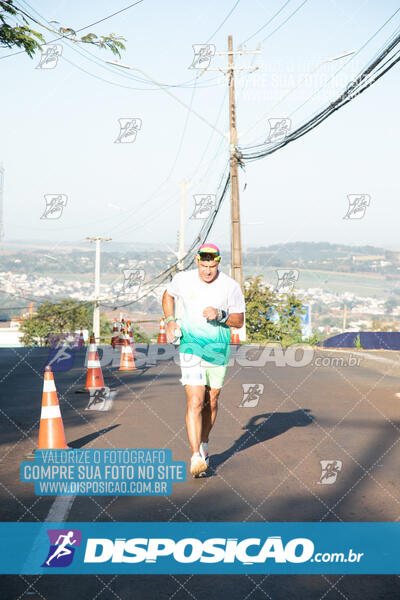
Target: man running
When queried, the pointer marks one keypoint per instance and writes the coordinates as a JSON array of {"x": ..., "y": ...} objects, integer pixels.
[{"x": 211, "y": 303}]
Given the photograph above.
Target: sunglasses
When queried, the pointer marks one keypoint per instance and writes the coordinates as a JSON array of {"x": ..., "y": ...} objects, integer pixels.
[{"x": 208, "y": 256}]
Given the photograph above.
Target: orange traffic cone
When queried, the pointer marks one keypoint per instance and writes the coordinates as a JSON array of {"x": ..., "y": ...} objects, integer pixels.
[
  {"x": 94, "y": 376},
  {"x": 51, "y": 430},
  {"x": 121, "y": 337},
  {"x": 127, "y": 361},
  {"x": 162, "y": 337},
  {"x": 81, "y": 342},
  {"x": 130, "y": 333},
  {"x": 235, "y": 336},
  {"x": 115, "y": 334}
]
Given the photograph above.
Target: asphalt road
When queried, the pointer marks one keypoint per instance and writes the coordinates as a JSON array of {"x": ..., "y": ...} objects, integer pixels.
[{"x": 265, "y": 463}]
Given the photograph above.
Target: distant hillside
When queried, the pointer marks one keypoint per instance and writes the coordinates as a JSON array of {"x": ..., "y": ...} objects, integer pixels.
[{"x": 315, "y": 251}]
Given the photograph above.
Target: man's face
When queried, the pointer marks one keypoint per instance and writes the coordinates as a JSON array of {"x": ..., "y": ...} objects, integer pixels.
[{"x": 208, "y": 270}]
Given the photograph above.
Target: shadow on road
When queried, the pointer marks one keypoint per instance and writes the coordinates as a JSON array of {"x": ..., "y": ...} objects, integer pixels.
[
  {"x": 82, "y": 441},
  {"x": 264, "y": 427}
]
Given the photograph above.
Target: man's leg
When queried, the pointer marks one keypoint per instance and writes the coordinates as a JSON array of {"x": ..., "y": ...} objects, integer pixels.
[
  {"x": 209, "y": 412},
  {"x": 195, "y": 404}
]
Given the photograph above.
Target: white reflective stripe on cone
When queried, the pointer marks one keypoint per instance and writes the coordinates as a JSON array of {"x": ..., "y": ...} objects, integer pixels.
[
  {"x": 93, "y": 363},
  {"x": 92, "y": 348},
  {"x": 49, "y": 385},
  {"x": 50, "y": 412}
]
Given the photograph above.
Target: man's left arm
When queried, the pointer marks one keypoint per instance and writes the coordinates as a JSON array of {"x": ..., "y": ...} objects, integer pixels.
[
  {"x": 235, "y": 320},
  {"x": 236, "y": 308}
]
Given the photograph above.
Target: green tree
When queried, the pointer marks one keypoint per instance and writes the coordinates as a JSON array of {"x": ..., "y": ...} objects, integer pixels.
[
  {"x": 30, "y": 40},
  {"x": 52, "y": 318},
  {"x": 140, "y": 336},
  {"x": 271, "y": 316}
]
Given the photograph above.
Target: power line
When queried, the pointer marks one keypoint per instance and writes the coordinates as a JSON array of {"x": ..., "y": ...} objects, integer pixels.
[
  {"x": 285, "y": 21},
  {"x": 267, "y": 23},
  {"x": 369, "y": 75},
  {"x": 78, "y": 30},
  {"x": 223, "y": 22}
]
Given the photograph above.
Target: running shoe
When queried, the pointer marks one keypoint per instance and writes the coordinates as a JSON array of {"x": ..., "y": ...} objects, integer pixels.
[
  {"x": 204, "y": 452},
  {"x": 197, "y": 465}
]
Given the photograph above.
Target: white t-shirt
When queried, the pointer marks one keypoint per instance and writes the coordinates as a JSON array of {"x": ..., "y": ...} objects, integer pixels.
[{"x": 208, "y": 339}]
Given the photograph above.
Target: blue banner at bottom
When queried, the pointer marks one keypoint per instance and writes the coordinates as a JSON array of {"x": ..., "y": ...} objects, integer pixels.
[{"x": 218, "y": 548}]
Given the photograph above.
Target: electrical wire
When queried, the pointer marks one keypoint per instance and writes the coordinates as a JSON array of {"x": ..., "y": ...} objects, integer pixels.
[
  {"x": 267, "y": 23},
  {"x": 368, "y": 77},
  {"x": 284, "y": 22},
  {"x": 78, "y": 30}
]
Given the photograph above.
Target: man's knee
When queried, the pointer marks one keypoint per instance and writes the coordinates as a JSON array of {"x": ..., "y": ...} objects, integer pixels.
[
  {"x": 195, "y": 402},
  {"x": 213, "y": 396}
]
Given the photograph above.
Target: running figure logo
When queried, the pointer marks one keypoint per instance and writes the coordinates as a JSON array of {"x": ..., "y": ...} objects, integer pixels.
[
  {"x": 278, "y": 129},
  {"x": 357, "y": 206},
  {"x": 55, "y": 204},
  {"x": 133, "y": 278},
  {"x": 330, "y": 470},
  {"x": 204, "y": 204},
  {"x": 61, "y": 355},
  {"x": 251, "y": 394},
  {"x": 286, "y": 280},
  {"x": 128, "y": 129},
  {"x": 203, "y": 54},
  {"x": 63, "y": 543},
  {"x": 50, "y": 55}
]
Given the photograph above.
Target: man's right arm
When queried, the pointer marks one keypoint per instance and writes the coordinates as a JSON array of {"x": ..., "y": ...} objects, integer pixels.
[{"x": 168, "y": 308}]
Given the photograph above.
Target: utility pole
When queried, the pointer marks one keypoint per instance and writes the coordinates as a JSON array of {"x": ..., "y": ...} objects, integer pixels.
[
  {"x": 236, "y": 237},
  {"x": 96, "y": 306},
  {"x": 181, "y": 244}
]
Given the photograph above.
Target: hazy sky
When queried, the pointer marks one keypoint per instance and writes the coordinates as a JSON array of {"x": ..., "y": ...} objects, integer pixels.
[{"x": 58, "y": 126}]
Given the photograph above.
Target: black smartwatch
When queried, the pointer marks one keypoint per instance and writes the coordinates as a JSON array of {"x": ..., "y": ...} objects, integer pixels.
[{"x": 223, "y": 316}]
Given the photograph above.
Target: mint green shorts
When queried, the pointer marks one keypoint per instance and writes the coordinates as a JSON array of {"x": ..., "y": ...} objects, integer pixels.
[{"x": 197, "y": 371}]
